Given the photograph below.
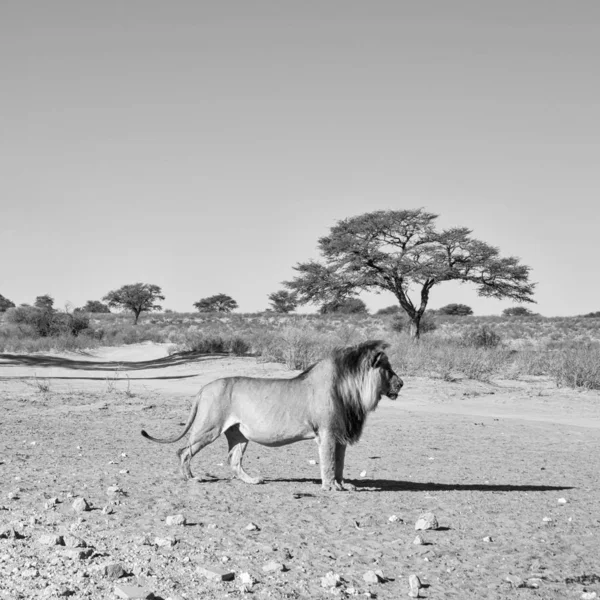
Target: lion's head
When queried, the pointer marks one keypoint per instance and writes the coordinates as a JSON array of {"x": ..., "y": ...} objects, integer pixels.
[{"x": 362, "y": 374}]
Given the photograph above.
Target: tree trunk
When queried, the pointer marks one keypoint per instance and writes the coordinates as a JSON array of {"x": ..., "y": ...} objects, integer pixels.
[
  {"x": 137, "y": 316},
  {"x": 415, "y": 327}
]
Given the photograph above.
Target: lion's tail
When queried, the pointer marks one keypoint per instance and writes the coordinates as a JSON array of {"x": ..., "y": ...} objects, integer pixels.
[{"x": 185, "y": 429}]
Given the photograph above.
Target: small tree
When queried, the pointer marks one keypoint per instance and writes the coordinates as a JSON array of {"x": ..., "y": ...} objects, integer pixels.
[
  {"x": 45, "y": 302},
  {"x": 217, "y": 303},
  {"x": 283, "y": 301},
  {"x": 136, "y": 297},
  {"x": 459, "y": 310},
  {"x": 388, "y": 310},
  {"x": 518, "y": 311},
  {"x": 346, "y": 306},
  {"x": 397, "y": 251},
  {"x": 93, "y": 306},
  {"x": 5, "y": 304}
]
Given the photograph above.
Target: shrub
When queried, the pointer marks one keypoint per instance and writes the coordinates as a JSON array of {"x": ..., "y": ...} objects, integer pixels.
[
  {"x": 578, "y": 367},
  {"x": 5, "y": 304},
  {"x": 518, "y": 311},
  {"x": 349, "y": 306},
  {"x": 388, "y": 310},
  {"x": 481, "y": 337},
  {"x": 401, "y": 322},
  {"x": 460, "y": 310},
  {"x": 45, "y": 323}
]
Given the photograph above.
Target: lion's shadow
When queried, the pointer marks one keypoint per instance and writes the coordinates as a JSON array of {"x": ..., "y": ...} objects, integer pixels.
[{"x": 393, "y": 485}]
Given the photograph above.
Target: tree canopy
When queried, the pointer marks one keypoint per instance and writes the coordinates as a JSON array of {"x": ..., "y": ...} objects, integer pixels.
[
  {"x": 5, "y": 303},
  {"x": 460, "y": 310},
  {"x": 283, "y": 301},
  {"x": 136, "y": 297},
  {"x": 217, "y": 303},
  {"x": 45, "y": 302},
  {"x": 401, "y": 251},
  {"x": 344, "y": 306},
  {"x": 94, "y": 306}
]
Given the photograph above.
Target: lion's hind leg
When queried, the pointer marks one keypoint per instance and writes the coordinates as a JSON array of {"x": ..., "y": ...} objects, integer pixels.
[
  {"x": 195, "y": 444},
  {"x": 237, "y": 446}
]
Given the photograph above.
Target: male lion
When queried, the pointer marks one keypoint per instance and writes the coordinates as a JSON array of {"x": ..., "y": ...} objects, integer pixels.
[{"x": 329, "y": 402}]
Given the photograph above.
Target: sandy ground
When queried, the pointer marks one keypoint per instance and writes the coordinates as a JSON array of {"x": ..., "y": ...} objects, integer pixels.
[{"x": 491, "y": 461}]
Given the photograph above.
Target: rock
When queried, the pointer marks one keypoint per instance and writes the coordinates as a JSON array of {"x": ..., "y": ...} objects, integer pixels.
[
  {"x": 331, "y": 580},
  {"x": 131, "y": 591},
  {"x": 252, "y": 527},
  {"x": 363, "y": 473},
  {"x": 419, "y": 541},
  {"x": 427, "y": 521},
  {"x": 50, "y": 539},
  {"x": 312, "y": 462},
  {"x": 488, "y": 539},
  {"x": 547, "y": 519},
  {"x": 108, "y": 510},
  {"x": 78, "y": 553},
  {"x": 51, "y": 503},
  {"x": 215, "y": 574},
  {"x": 80, "y": 505},
  {"x": 515, "y": 581},
  {"x": 395, "y": 519},
  {"x": 247, "y": 579},
  {"x": 273, "y": 566},
  {"x": 113, "y": 571},
  {"x": 371, "y": 577},
  {"x": 124, "y": 471},
  {"x": 176, "y": 520},
  {"x": 12, "y": 496},
  {"x": 563, "y": 501},
  {"x": 11, "y": 533},
  {"x": 114, "y": 490},
  {"x": 589, "y": 596},
  {"x": 72, "y": 541},
  {"x": 165, "y": 542},
  {"x": 415, "y": 585}
]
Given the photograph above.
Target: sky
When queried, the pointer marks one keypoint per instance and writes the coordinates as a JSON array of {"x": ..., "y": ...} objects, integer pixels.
[{"x": 205, "y": 147}]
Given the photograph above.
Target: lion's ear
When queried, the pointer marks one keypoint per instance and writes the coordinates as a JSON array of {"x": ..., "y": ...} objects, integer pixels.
[{"x": 377, "y": 359}]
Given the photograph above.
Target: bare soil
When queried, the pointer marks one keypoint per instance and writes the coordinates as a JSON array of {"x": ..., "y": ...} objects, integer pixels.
[{"x": 491, "y": 460}]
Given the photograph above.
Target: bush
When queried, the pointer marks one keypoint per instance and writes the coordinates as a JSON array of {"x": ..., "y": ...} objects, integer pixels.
[
  {"x": 401, "y": 323},
  {"x": 518, "y": 311},
  {"x": 388, "y": 310},
  {"x": 459, "y": 310},
  {"x": 5, "y": 304},
  {"x": 349, "y": 306},
  {"x": 578, "y": 367},
  {"x": 42, "y": 322},
  {"x": 481, "y": 337}
]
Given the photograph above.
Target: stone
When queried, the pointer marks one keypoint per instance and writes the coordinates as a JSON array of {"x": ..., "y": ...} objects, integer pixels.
[
  {"x": 547, "y": 519},
  {"x": 252, "y": 527},
  {"x": 51, "y": 503},
  {"x": 165, "y": 542},
  {"x": 371, "y": 577},
  {"x": 108, "y": 510},
  {"x": 273, "y": 566},
  {"x": 11, "y": 533},
  {"x": 131, "y": 591},
  {"x": 331, "y": 580},
  {"x": 395, "y": 519},
  {"x": 247, "y": 579},
  {"x": 488, "y": 539},
  {"x": 215, "y": 574},
  {"x": 113, "y": 571},
  {"x": 415, "y": 585},
  {"x": 589, "y": 596},
  {"x": 72, "y": 541},
  {"x": 427, "y": 521},
  {"x": 515, "y": 581},
  {"x": 78, "y": 553},
  {"x": 114, "y": 490},
  {"x": 419, "y": 541},
  {"x": 176, "y": 520},
  {"x": 312, "y": 462},
  {"x": 80, "y": 505},
  {"x": 51, "y": 539},
  {"x": 562, "y": 500},
  {"x": 363, "y": 473},
  {"x": 12, "y": 496}
]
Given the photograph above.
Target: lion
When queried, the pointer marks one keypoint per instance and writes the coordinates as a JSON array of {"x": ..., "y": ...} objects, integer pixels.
[{"x": 328, "y": 402}]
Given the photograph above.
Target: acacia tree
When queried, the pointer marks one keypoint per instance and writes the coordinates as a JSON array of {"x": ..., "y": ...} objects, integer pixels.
[
  {"x": 94, "y": 306},
  {"x": 217, "y": 303},
  {"x": 45, "y": 302},
  {"x": 136, "y": 297},
  {"x": 283, "y": 301},
  {"x": 401, "y": 251},
  {"x": 458, "y": 310}
]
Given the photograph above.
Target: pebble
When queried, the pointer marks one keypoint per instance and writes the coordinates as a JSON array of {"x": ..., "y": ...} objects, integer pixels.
[
  {"x": 252, "y": 527},
  {"x": 419, "y": 541},
  {"x": 80, "y": 505},
  {"x": 51, "y": 503},
  {"x": 78, "y": 553},
  {"x": 547, "y": 520},
  {"x": 395, "y": 519},
  {"x": 331, "y": 580},
  {"x": 113, "y": 490},
  {"x": 108, "y": 510},
  {"x": 113, "y": 571},
  {"x": 312, "y": 462},
  {"x": 563, "y": 501},
  {"x": 589, "y": 596},
  {"x": 11, "y": 533},
  {"x": 273, "y": 566},
  {"x": 12, "y": 496},
  {"x": 363, "y": 473},
  {"x": 488, "y": 539},
  {"x": 176, "y": 520},
  {"x": 51, "y": 539},
  {"x": 415, "y": 584},
  {"x": 72, "y": 541},
  {"x": 427, "y": 521}
]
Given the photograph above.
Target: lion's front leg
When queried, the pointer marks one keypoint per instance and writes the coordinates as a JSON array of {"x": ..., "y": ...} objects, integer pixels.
[
  {"x": 340, "y": 455},
  {"x": 328, "y": 460}
]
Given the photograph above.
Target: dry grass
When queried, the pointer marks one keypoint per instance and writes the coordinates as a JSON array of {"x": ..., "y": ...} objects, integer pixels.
[{"x": 566, "y": 349}]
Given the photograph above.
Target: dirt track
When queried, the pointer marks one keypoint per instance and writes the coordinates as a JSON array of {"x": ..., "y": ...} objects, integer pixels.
[{"x": 452, "y": 448}]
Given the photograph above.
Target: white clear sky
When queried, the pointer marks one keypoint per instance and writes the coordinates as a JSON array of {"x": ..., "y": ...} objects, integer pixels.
[{"x": 206, "y": 146}]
